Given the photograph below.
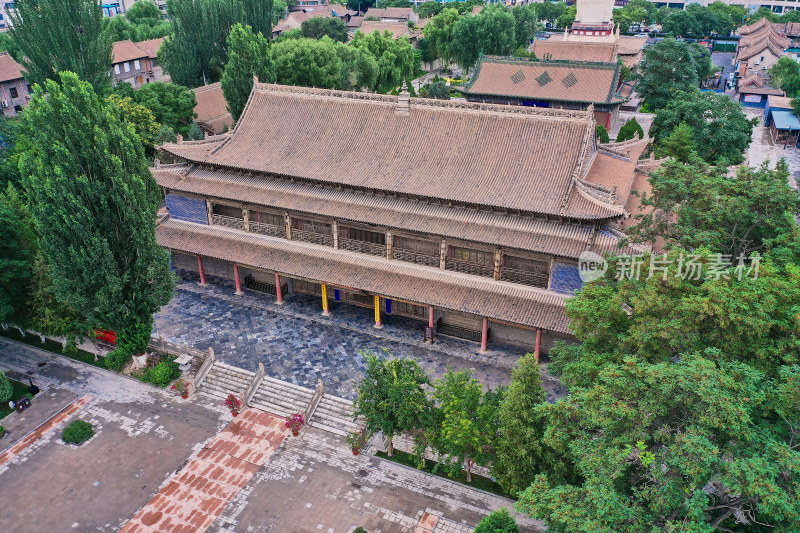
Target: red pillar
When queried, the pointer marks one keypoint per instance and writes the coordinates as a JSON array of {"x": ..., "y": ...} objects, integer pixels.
[
  {"x": 484, "y": 334},
  {"x": 278, "y": 289},
  {"x": 538, "y": 344},
  {"x": 200, "y": 269},
  {"x": 236, "y": 279},
  {"x": 430, "y": 321}
]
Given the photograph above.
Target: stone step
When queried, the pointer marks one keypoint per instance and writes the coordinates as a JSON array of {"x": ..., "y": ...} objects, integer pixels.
[
  {"x": 282, "y": 392},
  {"x": 215, "y": 392},
  {"x": 270, "y": 381},
  {"x": 327, "y": 403},
  {"x": 347, "y": 426},
  {"x": 329, "y": 398},
  {"x": 335, "y": 430},
  {"x": 287, "y": 404},
  {"x": 270, "y": 408},
  {"x": 234, "y": 369},
  {"x": 228, "y": 381}
]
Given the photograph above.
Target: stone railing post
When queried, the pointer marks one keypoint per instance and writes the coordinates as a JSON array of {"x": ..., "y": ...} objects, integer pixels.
[
  {"x": 253, "y": 387},
  {"x": 204, "y": 368},
  {"x": 315, "y": 399}
]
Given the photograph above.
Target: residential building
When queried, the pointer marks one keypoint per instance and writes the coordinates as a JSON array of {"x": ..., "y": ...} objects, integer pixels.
[
  {"x": 135, "y": 63},
  {"x": 15, "y": 92},
  {"x": 760, "y": 46},
  {"x": 754, "y": 90},
  {"x": 469, "y": 218},
  {"x": 549, "y": 83},
  {"x": 212, "y": 112},
  {"x": 392, "y": 14},
  {"x": 294, "y": 20}
]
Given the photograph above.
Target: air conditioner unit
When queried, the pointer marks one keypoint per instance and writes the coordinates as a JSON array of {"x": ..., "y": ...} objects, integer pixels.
[
  {"x": 756, "y": 62},
  {"x": 3, "y": 104},
  {"x": 764, "y": 67}
]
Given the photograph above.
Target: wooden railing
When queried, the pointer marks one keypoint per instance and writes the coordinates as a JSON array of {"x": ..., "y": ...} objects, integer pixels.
[
  {"x": 312, "y": 237},
  {"x": 457, "y": 331},
  {"x": 268, "y": 229},
  {"x": 401, "y": 254},
  {"x": 524, "y": 277},
  {"x": 262, "y": 286},
  {"x": 253, "y": 387},
  {"x": 468, "y": 267},
  {"x": 363, "y": 247},
  {"x": 228, "y": 222}
]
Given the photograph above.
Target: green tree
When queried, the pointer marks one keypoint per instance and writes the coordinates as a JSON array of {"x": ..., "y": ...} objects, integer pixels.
[
  {"x": 391, "y": 398},
  {"x": 670, "y": 68},
  {"x": 59, "y": 35},
  {"x": 691, "y": 445},
  {"x": 439, "y": 34},
  {"x": 196, "y": 132},
  {"x": 142, "y": 119},
  {"x": 630, "y": 130},
  {"x": 568, "y": 18},
  {"x": 317, "y": 27},
  {"x": 257, "y": 14},
  {"x": 12, "y": 143},
  {"x": 680, "y": 144},
  {"x": 435, "y": 89},
  {"x": 396, "y": 58},
  {"x": 94, "y": 202},
  {"x": 698, "y": 205},
  {"x": 17, "y": 250},
  {"x": 8, "y": 44},
  {"x": 721, "y": 130},
  {"x": 498, "y": 522},
  {"x": 143, "y": 12},
  {"x": 428, "y": 9},
  {"x": 550, "y": 11},
  {"x": 521, "y": 452},
  {"x": 166, "y": 135},
  {"x": 307, "y": 62},
  {"x": 359, "y": 67},
  {"x": 360, "y": 5},
  {"x": 526, "y": 23},
  {"x": 785, "y": 74},
  {"x": 248, "y": 56},
  {"x": 491, "y": 32},
  {"x": 601, "y": 133},
  {"x": 6, "y": 389},
  {"x": 469, "y": 422},
  {"x": 762, "y": 12},
  {"x": 170, "y": 103}
]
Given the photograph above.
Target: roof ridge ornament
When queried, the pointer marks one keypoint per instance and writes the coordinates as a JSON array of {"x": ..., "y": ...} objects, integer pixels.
[{"x": 403, "y": 101}]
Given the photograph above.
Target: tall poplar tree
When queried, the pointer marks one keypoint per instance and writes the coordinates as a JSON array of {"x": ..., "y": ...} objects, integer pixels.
[
  {"x": 59, "y": 35},
  {"x": 94, "y": 202},
  {"x": 248, "y": 56}
]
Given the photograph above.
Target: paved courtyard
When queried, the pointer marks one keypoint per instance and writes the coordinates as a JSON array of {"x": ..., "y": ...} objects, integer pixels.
[
  {"x": 296, "y": 344},
  {"x": 762, "y": 149},
  {"x": 155, "y": 458}
]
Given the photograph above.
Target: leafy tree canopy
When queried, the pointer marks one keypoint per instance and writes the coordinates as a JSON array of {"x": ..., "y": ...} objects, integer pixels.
[
  {"x": 17, "y": 250},
  {"x": 429, "y": 9},
  {"x": 396, "y": 58},
  {"x": 142, "y": 119},
  {"x": 498, "y": 522},
  {"x": 248, "y": 56},
  {"x": 143, "y": 12},
  {"x": 601, "y": 133},
  {"x": 491, "y": 32},
  {"x": 94, "y": 202},
  {"x": 170, "y": 103},
  {"x": 359, "y": 67},
  {"x": 307, "y": 62},
  {"x": 630, "y": 130},
  {"x": 672, "y": 67},
  {"x": 721, "y": 130},
  {"x": 317, "y": 27},
  {"x": 62, "y": 35}
]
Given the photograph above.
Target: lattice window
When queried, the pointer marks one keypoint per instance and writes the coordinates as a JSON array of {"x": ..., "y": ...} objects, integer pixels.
[
  {"x": 543, "y": 79},
  {"x": 569, "y": 80},
  {"x": 356, "y": 234},
  {"x": 228, "y": 211},
  {"x": 266, "y": 218},
  {"x": 518, "y": 77}
]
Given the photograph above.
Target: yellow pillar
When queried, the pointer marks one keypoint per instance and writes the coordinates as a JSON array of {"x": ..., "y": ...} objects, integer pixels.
[
  {"x": 325, "y": 300},
  {"x": 378, "y": 324}
]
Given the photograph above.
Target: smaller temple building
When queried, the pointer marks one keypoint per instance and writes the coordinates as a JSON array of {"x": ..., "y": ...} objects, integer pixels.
[{"x": 557, "y": 84}]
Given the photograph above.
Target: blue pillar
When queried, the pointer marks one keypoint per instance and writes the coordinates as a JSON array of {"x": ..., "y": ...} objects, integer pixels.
[
  {"x": 388, "y": 305},
  {"x": 336, "y": 294}
]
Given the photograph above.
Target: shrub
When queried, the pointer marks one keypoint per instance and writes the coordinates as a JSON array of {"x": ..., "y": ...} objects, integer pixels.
[
  {"x": 77, "y": 431},
  {"x": 629, "y": 130},
  {"x": 360, "y": 530},
  {"x": 498, "y": 522},
  {"x": 602, "y": 133},
  {"x": 437, "y": 89},
  {"x": 163, "y": 373},
  {"x": 6, "y": 389},
  {"x": 118, "y": 359}
]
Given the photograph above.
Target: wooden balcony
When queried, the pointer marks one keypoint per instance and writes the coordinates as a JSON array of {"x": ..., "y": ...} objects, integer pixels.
[
  {"x": 468, "y": 267},
  {"x": 228, "y": 222},
  {"x": 268, "y": 229},
  {"x": 524, "y": 277},
  {"x": 312, "y": 237},
  {"x": 410, "y": 256},
  {"x": 362, "y": 247}
]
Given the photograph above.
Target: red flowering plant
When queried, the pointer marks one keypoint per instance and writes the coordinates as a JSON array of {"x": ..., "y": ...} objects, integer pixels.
[
  {"x": 295, "y": 422},
  {"x": 180, "y": 387},
  {"x": 233, "y": 403}
]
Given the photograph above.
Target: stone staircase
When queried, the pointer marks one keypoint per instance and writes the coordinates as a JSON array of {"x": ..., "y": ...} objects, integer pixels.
[
  {"x": 335, "y": 415},
  {"x": 280, "y": 397},
  {"x": 225, "y": 379}
]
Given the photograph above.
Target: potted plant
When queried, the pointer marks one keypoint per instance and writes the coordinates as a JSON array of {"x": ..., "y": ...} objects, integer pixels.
[
  {"x": 181, "y": 387},
  {"x": 354, "y": 439},
  {"x": 295, "y": 422},
  {"x": 2, "y": 432},
  {"x": 234, "y": 404}
]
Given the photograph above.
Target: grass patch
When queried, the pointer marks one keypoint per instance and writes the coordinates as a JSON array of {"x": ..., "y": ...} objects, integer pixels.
[
  {"x": 77, "y": 431},
  {"x": 478, "y": 482},
  {"x": 52, "y": 346},
  {"x": 20, "y": 389}
]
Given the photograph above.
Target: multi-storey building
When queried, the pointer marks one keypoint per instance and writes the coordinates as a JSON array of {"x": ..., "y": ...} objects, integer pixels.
[
  {"x": 15, "y": 92},
  {"x": 468, "y": 217},
  {"x": 135, "y": 63}
]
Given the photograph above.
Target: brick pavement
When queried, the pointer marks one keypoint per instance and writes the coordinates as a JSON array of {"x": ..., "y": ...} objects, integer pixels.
[
  {"x": 190, "y": 502},
  {"x": 298, "y": 345}
]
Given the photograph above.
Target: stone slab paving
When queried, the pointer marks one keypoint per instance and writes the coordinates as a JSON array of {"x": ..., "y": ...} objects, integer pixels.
[
  {"x": 296, "y": 344},
  {"x": 763, "y": 150},
  {"x": 314, "y": 483},
  {"x": 44, "y": 406},
  {"x": 191, "y": 501}
]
